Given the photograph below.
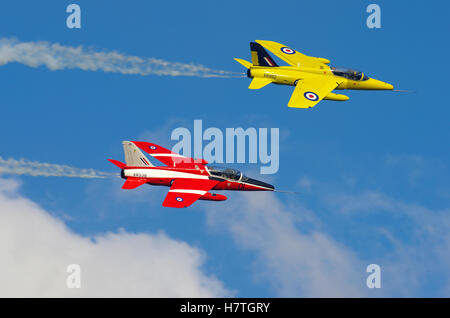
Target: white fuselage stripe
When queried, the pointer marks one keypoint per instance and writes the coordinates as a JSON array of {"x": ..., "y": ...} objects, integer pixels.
[
  {"x": 159, "y": 173},
  {"x": 167, "y": 155},
  {"x": 200, "y": 192}
]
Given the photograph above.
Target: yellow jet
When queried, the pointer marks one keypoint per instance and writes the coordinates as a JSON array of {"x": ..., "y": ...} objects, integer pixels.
[{"x": 312, "y": 77}]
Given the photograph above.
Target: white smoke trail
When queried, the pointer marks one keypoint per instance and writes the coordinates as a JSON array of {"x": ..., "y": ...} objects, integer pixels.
[
  {"x": 58, "y": 57},
  {"x": 42, "y": 169}
]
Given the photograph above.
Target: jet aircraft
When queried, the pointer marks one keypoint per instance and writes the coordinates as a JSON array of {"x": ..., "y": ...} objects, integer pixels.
[
  {"x": 312, "y": 77},
  {"x": 189, "y": 179}
]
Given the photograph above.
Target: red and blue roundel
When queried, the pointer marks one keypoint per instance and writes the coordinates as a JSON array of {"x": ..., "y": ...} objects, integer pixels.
[
  {"x": 152, "y": 147},
  {"x": 287, "y": 50},
  {"x": 179, "y": 199},
  {"x": 311, "y": 96}
]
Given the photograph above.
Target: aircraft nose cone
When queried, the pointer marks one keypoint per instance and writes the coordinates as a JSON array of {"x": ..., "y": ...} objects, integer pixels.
[
  {"x": 389, "y": 86},
  {"x": 382, "y": 85}
]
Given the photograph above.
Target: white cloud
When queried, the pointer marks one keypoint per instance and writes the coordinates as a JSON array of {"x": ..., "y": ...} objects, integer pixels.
[
  {"x": 293, "y": 254},
  {"x": 418, "y": 169},
  {"x": 36, "y": 248},
  {"x": 418, "y": 237},
  {"x": 58, "y": 57},
  {"x": 305, "y": 183}
]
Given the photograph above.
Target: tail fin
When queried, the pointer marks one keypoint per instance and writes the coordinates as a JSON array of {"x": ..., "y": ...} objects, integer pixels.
[
  {"x": 260, "y": 57},
  {"x": 134, "y": 156}
]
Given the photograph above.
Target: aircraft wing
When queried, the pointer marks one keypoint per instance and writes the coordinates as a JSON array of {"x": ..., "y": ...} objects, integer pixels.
[
  {"x": 293, "y": 57},
  {"x": 184, "y": 192},
  {"x": 310, "y": 91},
  {"x": 166, "y": 156}
]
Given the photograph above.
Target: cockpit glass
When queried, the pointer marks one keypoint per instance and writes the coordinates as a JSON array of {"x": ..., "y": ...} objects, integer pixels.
[
  {"x": 353, "y": 75},
  {"x": 226, "y": 173}
]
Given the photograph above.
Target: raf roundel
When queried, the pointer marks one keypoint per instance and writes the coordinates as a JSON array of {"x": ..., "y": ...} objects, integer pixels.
[
  {"x": 179, "y": 199},
  {"x": 287, "y": 50},
  {"x": 152, "y": 147},
  {"x": 311, "y": 96}
]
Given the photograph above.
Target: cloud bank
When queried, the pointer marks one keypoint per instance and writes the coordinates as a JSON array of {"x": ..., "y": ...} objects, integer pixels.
[
  {"x": 59, "y": 57},
  {"x": 293, "y": 254},
  {"x": 419, "y": 251},
  {"x": 299, "y": 257},
  {"x": 36, "y": 248}
]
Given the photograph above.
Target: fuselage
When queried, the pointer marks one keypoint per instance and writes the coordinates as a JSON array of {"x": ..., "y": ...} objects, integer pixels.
[
  {"x": 289, "y": 75},
  {"x": 164, "y": 176}
]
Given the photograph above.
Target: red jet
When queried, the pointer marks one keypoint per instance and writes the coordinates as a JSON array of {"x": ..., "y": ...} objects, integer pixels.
[{"x": 189, "y": 179}]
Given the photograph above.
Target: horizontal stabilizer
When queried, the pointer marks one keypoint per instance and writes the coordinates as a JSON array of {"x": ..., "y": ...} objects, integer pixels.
[
  {"x": 133, "y": 183},
  {"x": 119, "y": 164},
  {"x": 244, "y": 62},
  {"x": 258, "y": 83}
]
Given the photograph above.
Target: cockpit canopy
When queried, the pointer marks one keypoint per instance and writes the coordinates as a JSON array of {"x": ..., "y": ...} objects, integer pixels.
[
  {"x": 353, "y": 75},
  {"x": 226, "y": 173}
]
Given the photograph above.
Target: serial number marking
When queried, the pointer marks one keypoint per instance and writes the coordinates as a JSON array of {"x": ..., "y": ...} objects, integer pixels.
[{"x": 270, "y": 75}]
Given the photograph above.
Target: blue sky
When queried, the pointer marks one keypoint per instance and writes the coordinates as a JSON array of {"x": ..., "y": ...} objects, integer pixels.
[{"x": 372, "y": 172}]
